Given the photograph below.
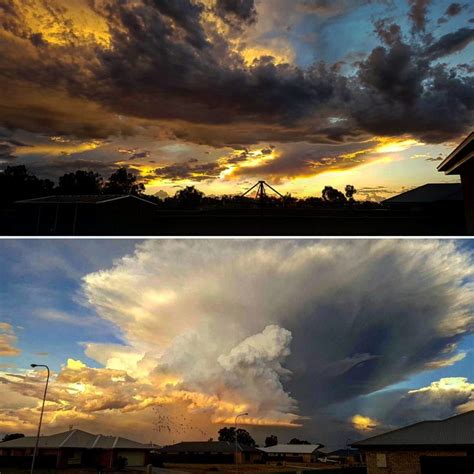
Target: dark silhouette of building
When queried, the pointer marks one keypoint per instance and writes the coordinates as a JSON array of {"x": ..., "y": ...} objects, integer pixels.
[
  {"x": 85, "y": 215},
  {"x": 306, "y": 453},
  {"x": 430, "y": 447},
  {"x": 435, "y": 197},
  {"x": 209, "y": 452},
  {"x": 461, "y": 162}
]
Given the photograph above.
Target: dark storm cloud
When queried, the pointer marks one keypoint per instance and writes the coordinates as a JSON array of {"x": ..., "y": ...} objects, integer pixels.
[
  {"x": 191, "y": 169},
  {"x": 240, "y": 10},
  {"x": 7, "y": 151},
  {"x": 164, "y": 65},
  {"x": 450, "y": 43},
  {"x": 432, "y": 102},
  {"x": 301, "y": 159},
  {"x": 56, "y": 167}
]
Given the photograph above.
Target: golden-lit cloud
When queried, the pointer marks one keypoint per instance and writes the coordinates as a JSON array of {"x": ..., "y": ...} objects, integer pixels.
[
  {"x": 446, "y": 385},
  {"x": 394, "y": 145},
  {"x": 364, "y": 423},
  {"x": 62, "y": 24}
]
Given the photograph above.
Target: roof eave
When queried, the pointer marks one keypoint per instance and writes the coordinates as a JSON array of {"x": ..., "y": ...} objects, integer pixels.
[{"x": 450, "y": 163}]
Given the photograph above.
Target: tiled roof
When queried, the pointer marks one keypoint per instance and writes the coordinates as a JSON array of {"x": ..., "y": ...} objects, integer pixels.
[
  {"x": 75, "y": 439},
  {"x": 292, "y": 448}
]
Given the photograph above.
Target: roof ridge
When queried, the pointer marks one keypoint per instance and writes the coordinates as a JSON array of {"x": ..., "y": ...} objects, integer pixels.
[{"x": 67, "y": 438}]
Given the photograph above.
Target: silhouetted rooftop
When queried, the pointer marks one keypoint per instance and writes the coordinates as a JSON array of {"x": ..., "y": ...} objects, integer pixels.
[
  {"x": 429, "y": 193},
  {"x": 82, "y": 199},
  {"x": 459, "y": 157},
  {"x": 457, "y": 430},
  {"x": 205, "y": 447}
]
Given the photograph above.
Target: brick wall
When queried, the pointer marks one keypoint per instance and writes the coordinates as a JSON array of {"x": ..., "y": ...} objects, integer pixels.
[{"x": 403, "y": 462}]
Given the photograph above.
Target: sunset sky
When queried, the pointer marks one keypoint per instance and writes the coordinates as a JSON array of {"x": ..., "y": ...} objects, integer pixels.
[
  {"x": 221, "y": 93},
  {"x": 169, "y": 340}
]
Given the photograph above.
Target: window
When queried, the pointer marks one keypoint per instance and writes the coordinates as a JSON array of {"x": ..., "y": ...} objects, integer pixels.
[{"x": 381, "y": 460}]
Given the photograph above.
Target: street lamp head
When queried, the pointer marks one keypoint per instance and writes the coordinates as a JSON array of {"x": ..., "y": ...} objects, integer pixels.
[{"x": 33, "y": 365}]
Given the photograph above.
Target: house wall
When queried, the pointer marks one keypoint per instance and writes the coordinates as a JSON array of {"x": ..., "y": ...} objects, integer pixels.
[
  {"x": 467, "y": 179},
  {"x": 403, "y": 462},
  {"x": 199, "y": 458},
  {"x": 134, "y": 457},
  {"x": 289, "y": 457}
]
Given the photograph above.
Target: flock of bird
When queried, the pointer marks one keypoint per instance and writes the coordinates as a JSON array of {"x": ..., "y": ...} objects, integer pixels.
[{"x": 179, "y": 424}]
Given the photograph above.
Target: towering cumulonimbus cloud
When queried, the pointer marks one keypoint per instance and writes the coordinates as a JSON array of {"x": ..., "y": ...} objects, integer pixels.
[{"x": 286, "y": 329}]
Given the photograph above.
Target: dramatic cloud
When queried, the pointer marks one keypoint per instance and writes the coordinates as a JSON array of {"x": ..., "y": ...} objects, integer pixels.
[
  {"x": 441, "y": 399},
  {"x": 451, "y": 43},
  {"x": 242, "y": 10},
  {"x": 261, "y": 297},
  {"x": 165, "y": 61},
  {"x": 227, "y": 75}
]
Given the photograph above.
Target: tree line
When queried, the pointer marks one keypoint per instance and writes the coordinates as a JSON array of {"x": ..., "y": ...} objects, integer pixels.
[{"x": 17, "y": 183}]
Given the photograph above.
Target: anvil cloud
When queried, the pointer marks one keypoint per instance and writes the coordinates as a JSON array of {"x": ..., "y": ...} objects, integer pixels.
[{"x": 313, "y": 337}]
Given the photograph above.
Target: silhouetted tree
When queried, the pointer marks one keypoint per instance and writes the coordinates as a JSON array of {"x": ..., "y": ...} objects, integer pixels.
[
  {"x": 350, "y": 192},
  {"x": 289, "y": 200},
  {"x": 271, "y": 440},
  {"x": 298, "y": 441},
  {"x": 243, "y": 436},
  {"x": 189, "y": 197},
  {"x": 9, "y": 437},
  {"x": 80, "y": 182},
  {"x": 16, "y": 183},
  {"x": 123, "y": 182},
  {"x": 331, "y": 194}
]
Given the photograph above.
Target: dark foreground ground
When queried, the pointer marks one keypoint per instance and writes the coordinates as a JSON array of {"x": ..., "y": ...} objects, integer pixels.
[
  {"x": 267, "y": 222},
  {"x": 210, "y": 469}
]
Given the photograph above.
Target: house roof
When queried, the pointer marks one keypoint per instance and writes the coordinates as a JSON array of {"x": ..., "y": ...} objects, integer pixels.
[
  {"x": 292, "y": 448},
  {"x": 75, "y": 439},
  {"x": 458, "y": 158},
  {"x": 205, "y": 447},
  {"x": 429, "y": 193},
  {"x": 82, "y": 199},
  {"x": 457, "y": 430}
]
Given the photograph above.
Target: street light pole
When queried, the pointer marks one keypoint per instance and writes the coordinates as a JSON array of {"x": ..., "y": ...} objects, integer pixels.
[
  {"x": 41, "y": 416},
  {"x": 236, "y": 461}
]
